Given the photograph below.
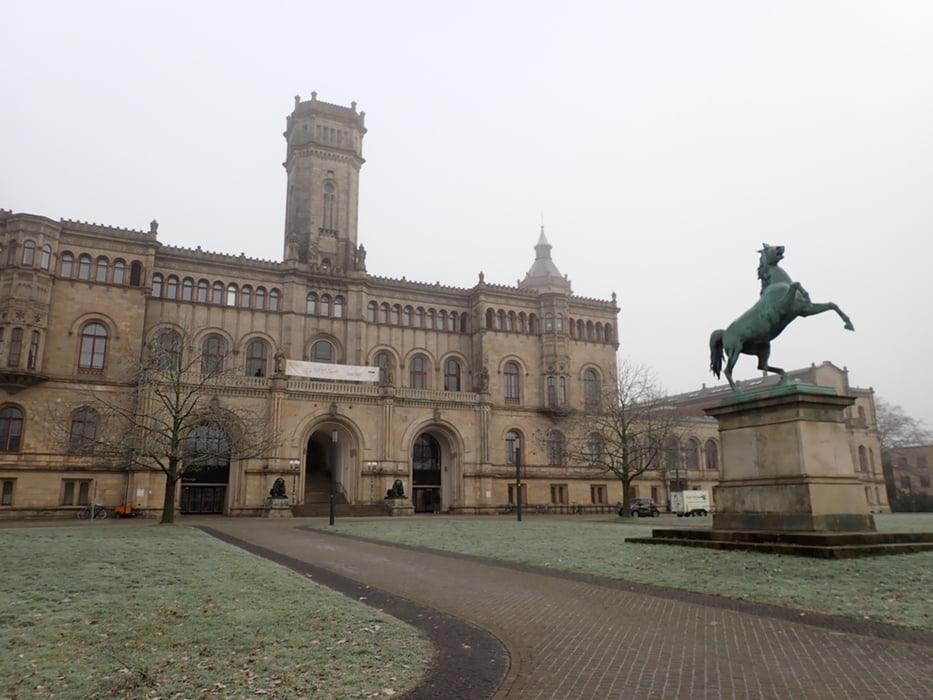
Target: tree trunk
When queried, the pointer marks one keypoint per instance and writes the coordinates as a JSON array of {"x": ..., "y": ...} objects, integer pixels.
[
  {"x": 168, "y": 503},
  {"x": 626, "y": 498}
]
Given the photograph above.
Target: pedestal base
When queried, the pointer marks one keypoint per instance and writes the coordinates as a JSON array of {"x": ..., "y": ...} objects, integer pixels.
[
  {"x": 400, "y": 506},
  {"x": 787, "y": 463},
  {"x": 277, "y": 508}
]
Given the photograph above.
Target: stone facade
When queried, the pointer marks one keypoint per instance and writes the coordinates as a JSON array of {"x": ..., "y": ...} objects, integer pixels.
[
  {"x": 468, "y": 377},
  {"x": 908, "y": 472}
]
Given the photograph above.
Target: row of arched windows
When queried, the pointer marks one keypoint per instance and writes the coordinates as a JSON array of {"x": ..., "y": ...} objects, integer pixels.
[
  {"x": 417, "y": 317},
  {"x": 512, "y": 322},
  {"x": 324, "y": 305},
  {"x": 81, "y": 267},
  {"x": 216, "y": 293}
]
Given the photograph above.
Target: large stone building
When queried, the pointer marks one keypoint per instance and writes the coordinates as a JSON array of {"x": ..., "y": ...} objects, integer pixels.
[
  {"x": 468, "y": 377},
  {"x": 907, "y": 471}
]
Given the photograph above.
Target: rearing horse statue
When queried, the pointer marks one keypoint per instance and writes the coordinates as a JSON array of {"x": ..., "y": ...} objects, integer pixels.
[{"x": 781, "y": 301}]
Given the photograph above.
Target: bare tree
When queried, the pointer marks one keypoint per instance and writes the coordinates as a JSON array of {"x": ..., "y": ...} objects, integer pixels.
[
  {"x": 897, "y": 429},
  {"x": 173, "y": 419},
  {"x": 624, "y": 431}
]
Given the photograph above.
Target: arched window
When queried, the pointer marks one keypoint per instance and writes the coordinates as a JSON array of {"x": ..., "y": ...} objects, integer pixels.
[
  {"x": 213, "y": 352},
  {"x": 532, "y": 324},
  {"x": 500, "y": 320},
  {"x": 548, "y": 322},
  {"x": 394, "y": 314},
  {"x": 429, "y": 319},
  {"x": 593, "y": 448},
  {"x": 330, "y": 207},
  {"x": 323, "y": 351},
  {"x": 383, "y": 361},
  {"x": 16, "y": 348},
  {"x": 257, "y": 358},
  {"x": 490, "y": 319},
  {"x": 187, "y": 289},
  {"x": 231, "y": 294},
  {"x": 83, "y": 431},
  {"x": 171, "y": 287},
  {"x": 311, "y": 303},
  {"x": 84, "y": 267},
  {"x": 338, "y": 307},
  {"x": 442, "y": 320},
  {"x": 156, "y": 285},
  {"x": 29, "y": 253},
  {"x": 33, "y": 357},
  {"x": 45, "y": 257},
  {"x": 418, "y": 320},
  {"x": 260, "y": 298},
  {"x": 166, "y": 351},
  {"x": 136, "y": 273},
  {"x": 217, "y": 293},
  {"x": 711, "y": 451},
  {"x": 513, "y": 443},
  {"x": 119, "y": 271},
  {"x": 325, "y": 305},
  {"x": 510, "y": 382},
  {"x": 692, "y": 454},
  {"x": 862, "y": 458},
  {"x": 451, "y": 375},
  {"x": 207, "y": 451},
  {"x": 100, "y": 273},
  {"x": 572, "y": 327},
  {"x": 555, "y": 448},
  {"x": 274, "y": 296},
  {"x": 406, "y": 316},
  {"x": 11, "y": 428},
  {"x": 520, "y": 322},
  {"x": 383, "y": 313},
  {"x": 672, "y": 454},
  {"x": 246, "y": 296},
  {"x": 610, "y": 337},
  {"x": 202, "y": 291},
  {"x": 510, "y": 321},
  {"x": 371, "y": 309},
  {"x": 93, "y": 347},
  {"x": 418, "y": 372},
  {"x": 590, "y": 388},
  {"x": 559, "y": 323}
]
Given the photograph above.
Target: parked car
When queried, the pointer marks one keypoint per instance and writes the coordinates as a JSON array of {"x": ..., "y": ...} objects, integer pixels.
[{"x": 644, "y": 507}]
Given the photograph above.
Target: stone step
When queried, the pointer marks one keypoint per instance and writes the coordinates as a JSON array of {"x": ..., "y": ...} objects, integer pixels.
[{"x": 341, "y": 510}]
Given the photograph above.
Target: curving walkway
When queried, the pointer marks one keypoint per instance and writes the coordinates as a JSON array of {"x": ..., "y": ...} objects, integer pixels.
[{"x": 568, "y": 636}]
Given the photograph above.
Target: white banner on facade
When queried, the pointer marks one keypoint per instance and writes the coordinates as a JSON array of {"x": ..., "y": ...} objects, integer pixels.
[{"x": 323, "y": 370}]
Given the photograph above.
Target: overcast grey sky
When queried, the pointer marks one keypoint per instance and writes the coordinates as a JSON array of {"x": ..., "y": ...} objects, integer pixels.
[{"x": 659, "y": 142}]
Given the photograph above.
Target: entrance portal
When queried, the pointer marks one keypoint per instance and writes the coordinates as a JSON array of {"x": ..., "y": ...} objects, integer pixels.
[{"x": 426, "y": 475}]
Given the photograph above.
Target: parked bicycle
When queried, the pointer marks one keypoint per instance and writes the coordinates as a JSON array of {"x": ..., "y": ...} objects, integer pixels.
[{"x": 99, "y": 512}]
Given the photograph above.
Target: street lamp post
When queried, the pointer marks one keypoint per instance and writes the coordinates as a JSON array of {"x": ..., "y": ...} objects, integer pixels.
[
  {"x": 518, "y": 484},
  {"x": 294, "y": 464},
  {"x": 333, "y": 475}
]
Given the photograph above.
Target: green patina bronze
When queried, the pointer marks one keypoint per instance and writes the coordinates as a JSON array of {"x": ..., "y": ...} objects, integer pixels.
[{"x": 781, "y": 301}]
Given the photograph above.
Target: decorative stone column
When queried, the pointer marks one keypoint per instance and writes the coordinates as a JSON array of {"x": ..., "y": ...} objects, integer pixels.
[{"x": 787, "y": 463}]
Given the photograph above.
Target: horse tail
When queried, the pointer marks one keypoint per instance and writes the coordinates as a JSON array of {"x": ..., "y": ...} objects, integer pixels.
[{"x": 716, "y": 352}]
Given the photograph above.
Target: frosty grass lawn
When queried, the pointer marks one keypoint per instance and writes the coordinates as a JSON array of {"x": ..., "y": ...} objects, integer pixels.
[
  {"x": 169, "y": 612},
  {"x": 895, "y": 589}
]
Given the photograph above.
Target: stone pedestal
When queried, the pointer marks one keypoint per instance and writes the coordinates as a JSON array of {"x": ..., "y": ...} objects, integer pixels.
[
  {"x": 787, "y": 464},
  {"x": 277, "y": 508},
  {"x": 400, "y": 506}
]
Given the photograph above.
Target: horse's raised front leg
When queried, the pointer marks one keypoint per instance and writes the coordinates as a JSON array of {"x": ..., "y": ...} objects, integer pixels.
[{"x": 813, "y": 309}]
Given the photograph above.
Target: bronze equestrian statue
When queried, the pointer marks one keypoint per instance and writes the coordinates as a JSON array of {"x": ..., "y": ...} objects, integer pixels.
[{"x": 781, "y": 301}]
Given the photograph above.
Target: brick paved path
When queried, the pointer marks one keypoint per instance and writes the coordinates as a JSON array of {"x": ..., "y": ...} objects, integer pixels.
[{"x": 584, "y": 637}]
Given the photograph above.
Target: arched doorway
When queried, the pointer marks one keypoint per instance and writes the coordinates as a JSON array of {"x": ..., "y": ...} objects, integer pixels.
[
  {"x": 426, "y": 474},
  {"x": 328, "y": 455}
]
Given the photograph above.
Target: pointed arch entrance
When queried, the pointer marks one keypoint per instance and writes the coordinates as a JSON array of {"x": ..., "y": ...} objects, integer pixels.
[
  {"x": 328, "y": 454},
  {"x": 426, "y": 473}
]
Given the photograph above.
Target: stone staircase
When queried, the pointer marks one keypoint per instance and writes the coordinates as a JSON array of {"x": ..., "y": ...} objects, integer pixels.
[{"x": 317, "y": 502}]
